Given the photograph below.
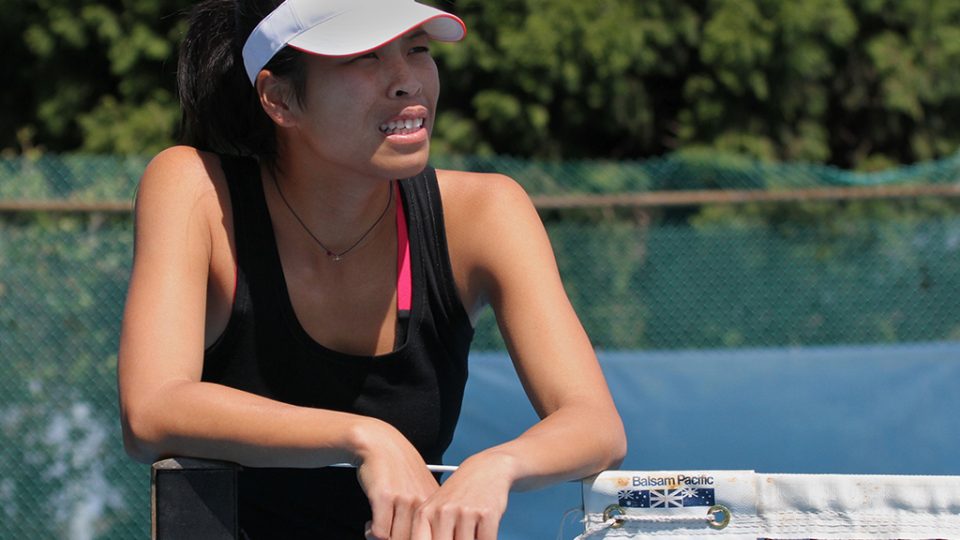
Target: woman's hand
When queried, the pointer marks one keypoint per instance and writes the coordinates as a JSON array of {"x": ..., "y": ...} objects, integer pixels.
[
  {"x": 469, "y": 504},
  {"x": 395, "y": 479}
]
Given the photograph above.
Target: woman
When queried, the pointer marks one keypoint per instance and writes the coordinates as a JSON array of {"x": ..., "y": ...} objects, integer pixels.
[{"x": 294, "y": 305}]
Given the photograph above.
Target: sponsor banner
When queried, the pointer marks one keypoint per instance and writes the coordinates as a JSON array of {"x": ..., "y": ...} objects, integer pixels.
[
  {"x": 743, "y": 505},
  {"x": 691, "y": 501}
]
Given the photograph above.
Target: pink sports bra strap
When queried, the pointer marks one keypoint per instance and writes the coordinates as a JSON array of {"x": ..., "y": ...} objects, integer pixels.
[{"x": 404, "y": 277}]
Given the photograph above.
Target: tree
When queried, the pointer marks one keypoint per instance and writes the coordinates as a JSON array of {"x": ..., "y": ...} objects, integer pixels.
[
  {"x": 92, "y": 76},
  {"x": 856, "y": 83}
]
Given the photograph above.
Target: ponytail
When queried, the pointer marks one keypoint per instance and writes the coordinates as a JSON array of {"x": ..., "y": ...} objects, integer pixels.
[{"x": 220, "y": 109}]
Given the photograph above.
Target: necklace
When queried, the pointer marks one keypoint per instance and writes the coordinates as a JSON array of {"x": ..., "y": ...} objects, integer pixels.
[{"x": 336, "y": 257}]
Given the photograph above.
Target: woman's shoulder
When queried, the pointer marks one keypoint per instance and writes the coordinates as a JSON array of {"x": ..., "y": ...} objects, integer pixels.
[
  {"x": 184, "y": 191},
  {"x": 483, "y": 212},
  {"x": 180, "y": 177},
  {"x": 480, "y": 194},
  {"x": 182, "y": 167}
]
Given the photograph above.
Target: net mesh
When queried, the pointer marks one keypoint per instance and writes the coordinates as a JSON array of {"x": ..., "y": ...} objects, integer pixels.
[{"x": 758, "y": 275}]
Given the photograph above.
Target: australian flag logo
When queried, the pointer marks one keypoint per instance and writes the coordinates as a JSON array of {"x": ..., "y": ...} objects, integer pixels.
[{"x": 666, "y": 498}]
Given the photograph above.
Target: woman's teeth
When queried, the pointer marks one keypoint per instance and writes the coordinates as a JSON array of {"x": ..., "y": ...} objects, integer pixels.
[{"x": 402, "y": 127}]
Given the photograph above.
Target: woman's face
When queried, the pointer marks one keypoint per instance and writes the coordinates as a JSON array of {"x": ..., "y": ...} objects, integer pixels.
[{"x": 372, "y": 113}]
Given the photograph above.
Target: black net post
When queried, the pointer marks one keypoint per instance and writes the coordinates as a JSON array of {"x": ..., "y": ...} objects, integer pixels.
[{"x": 194, "y": 499}]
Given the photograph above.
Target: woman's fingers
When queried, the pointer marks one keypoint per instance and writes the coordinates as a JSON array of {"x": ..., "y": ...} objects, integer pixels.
[
  {"x": 455, "y": 522},
  {"x": 421, "y": 528},
  {"x": 368, "y": 531},
  {"x": 393, "y": 515},
  {"x": 403, "y": 511},
  {"x": 408, "y": 504},
  {"x": 380, "y": 526},
  {"x": 466, "y": 529},
  {"x": 439, "y": 524},
  {"x": 487, "y": 528},
  {"x": 396, "y": 481}
]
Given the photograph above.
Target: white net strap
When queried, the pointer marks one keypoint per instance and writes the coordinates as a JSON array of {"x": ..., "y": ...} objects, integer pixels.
[{"x": 618, "y": 521}]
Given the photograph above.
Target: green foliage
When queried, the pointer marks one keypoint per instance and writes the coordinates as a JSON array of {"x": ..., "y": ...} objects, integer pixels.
[
  {"x": 93, "y": 76},
  {"x": 863, "y": 84},
  {"x": 859, "y": 84}
]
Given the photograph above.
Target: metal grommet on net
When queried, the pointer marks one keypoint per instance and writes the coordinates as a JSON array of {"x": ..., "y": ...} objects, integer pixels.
[
  {"x": 719, "y": 516},
  {"x": 615, "y": 512}
]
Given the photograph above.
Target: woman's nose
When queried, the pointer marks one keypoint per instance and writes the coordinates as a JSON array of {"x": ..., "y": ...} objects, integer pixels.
[{"x": 403, "y": 80}]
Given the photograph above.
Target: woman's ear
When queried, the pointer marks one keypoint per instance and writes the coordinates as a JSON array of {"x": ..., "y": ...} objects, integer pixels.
[{"x": 276, "y": 98}]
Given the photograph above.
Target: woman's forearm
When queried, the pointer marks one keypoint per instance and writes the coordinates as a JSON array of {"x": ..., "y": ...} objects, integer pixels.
[
  {"x": 207, "y": 420},
  {"x": 573, "y": 442}
]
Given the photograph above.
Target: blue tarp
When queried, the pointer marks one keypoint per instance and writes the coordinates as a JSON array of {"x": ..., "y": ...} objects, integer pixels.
[{"x": 851, "y": 410}]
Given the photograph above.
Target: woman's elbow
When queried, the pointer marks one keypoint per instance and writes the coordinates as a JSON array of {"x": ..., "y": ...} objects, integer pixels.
[
  {"x": 136, "y": 450},
  {"x": 139, "y": 437},
  {"x": 616, "y": 444}
]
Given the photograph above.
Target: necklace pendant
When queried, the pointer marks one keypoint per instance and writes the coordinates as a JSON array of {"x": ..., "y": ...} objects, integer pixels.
[{"x": 337, "y": 257}]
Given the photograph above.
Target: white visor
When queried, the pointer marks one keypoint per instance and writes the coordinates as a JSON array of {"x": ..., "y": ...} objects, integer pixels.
[{"x": 342, "y": 28}]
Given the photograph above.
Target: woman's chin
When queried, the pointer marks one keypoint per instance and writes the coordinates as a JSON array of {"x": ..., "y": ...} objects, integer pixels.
[{"x": 403, "y": 165}]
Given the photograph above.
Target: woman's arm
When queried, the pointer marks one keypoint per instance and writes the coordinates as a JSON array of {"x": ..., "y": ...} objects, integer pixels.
[
  {"x": 165, "y": 408},
  {"x": 501, "y": 252}
]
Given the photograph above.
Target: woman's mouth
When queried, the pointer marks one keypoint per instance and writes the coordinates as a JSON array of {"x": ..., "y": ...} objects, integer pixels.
[{"x": 402, "y": 126}]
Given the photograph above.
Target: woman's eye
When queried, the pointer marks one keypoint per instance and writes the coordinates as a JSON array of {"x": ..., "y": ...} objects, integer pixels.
[
  {"x": 369, "y": 55},
  {"x": 422, "y": 49}
]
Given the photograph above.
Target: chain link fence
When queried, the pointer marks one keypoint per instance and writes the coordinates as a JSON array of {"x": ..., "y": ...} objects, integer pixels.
[{"x": 797, "y": 273}]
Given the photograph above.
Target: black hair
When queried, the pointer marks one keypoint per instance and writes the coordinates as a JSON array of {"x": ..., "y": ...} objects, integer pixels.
[{"x": 220, "y": 109}]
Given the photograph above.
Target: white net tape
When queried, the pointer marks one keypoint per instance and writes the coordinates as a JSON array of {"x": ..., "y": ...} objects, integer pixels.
[{"x": 744, "y": 505}]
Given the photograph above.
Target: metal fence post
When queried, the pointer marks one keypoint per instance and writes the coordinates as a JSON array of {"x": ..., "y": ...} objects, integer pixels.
[{"x": 194, "y": 499}]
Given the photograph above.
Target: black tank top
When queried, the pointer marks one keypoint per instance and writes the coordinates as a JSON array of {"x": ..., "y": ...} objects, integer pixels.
[{"x": 417, "y": 388}]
